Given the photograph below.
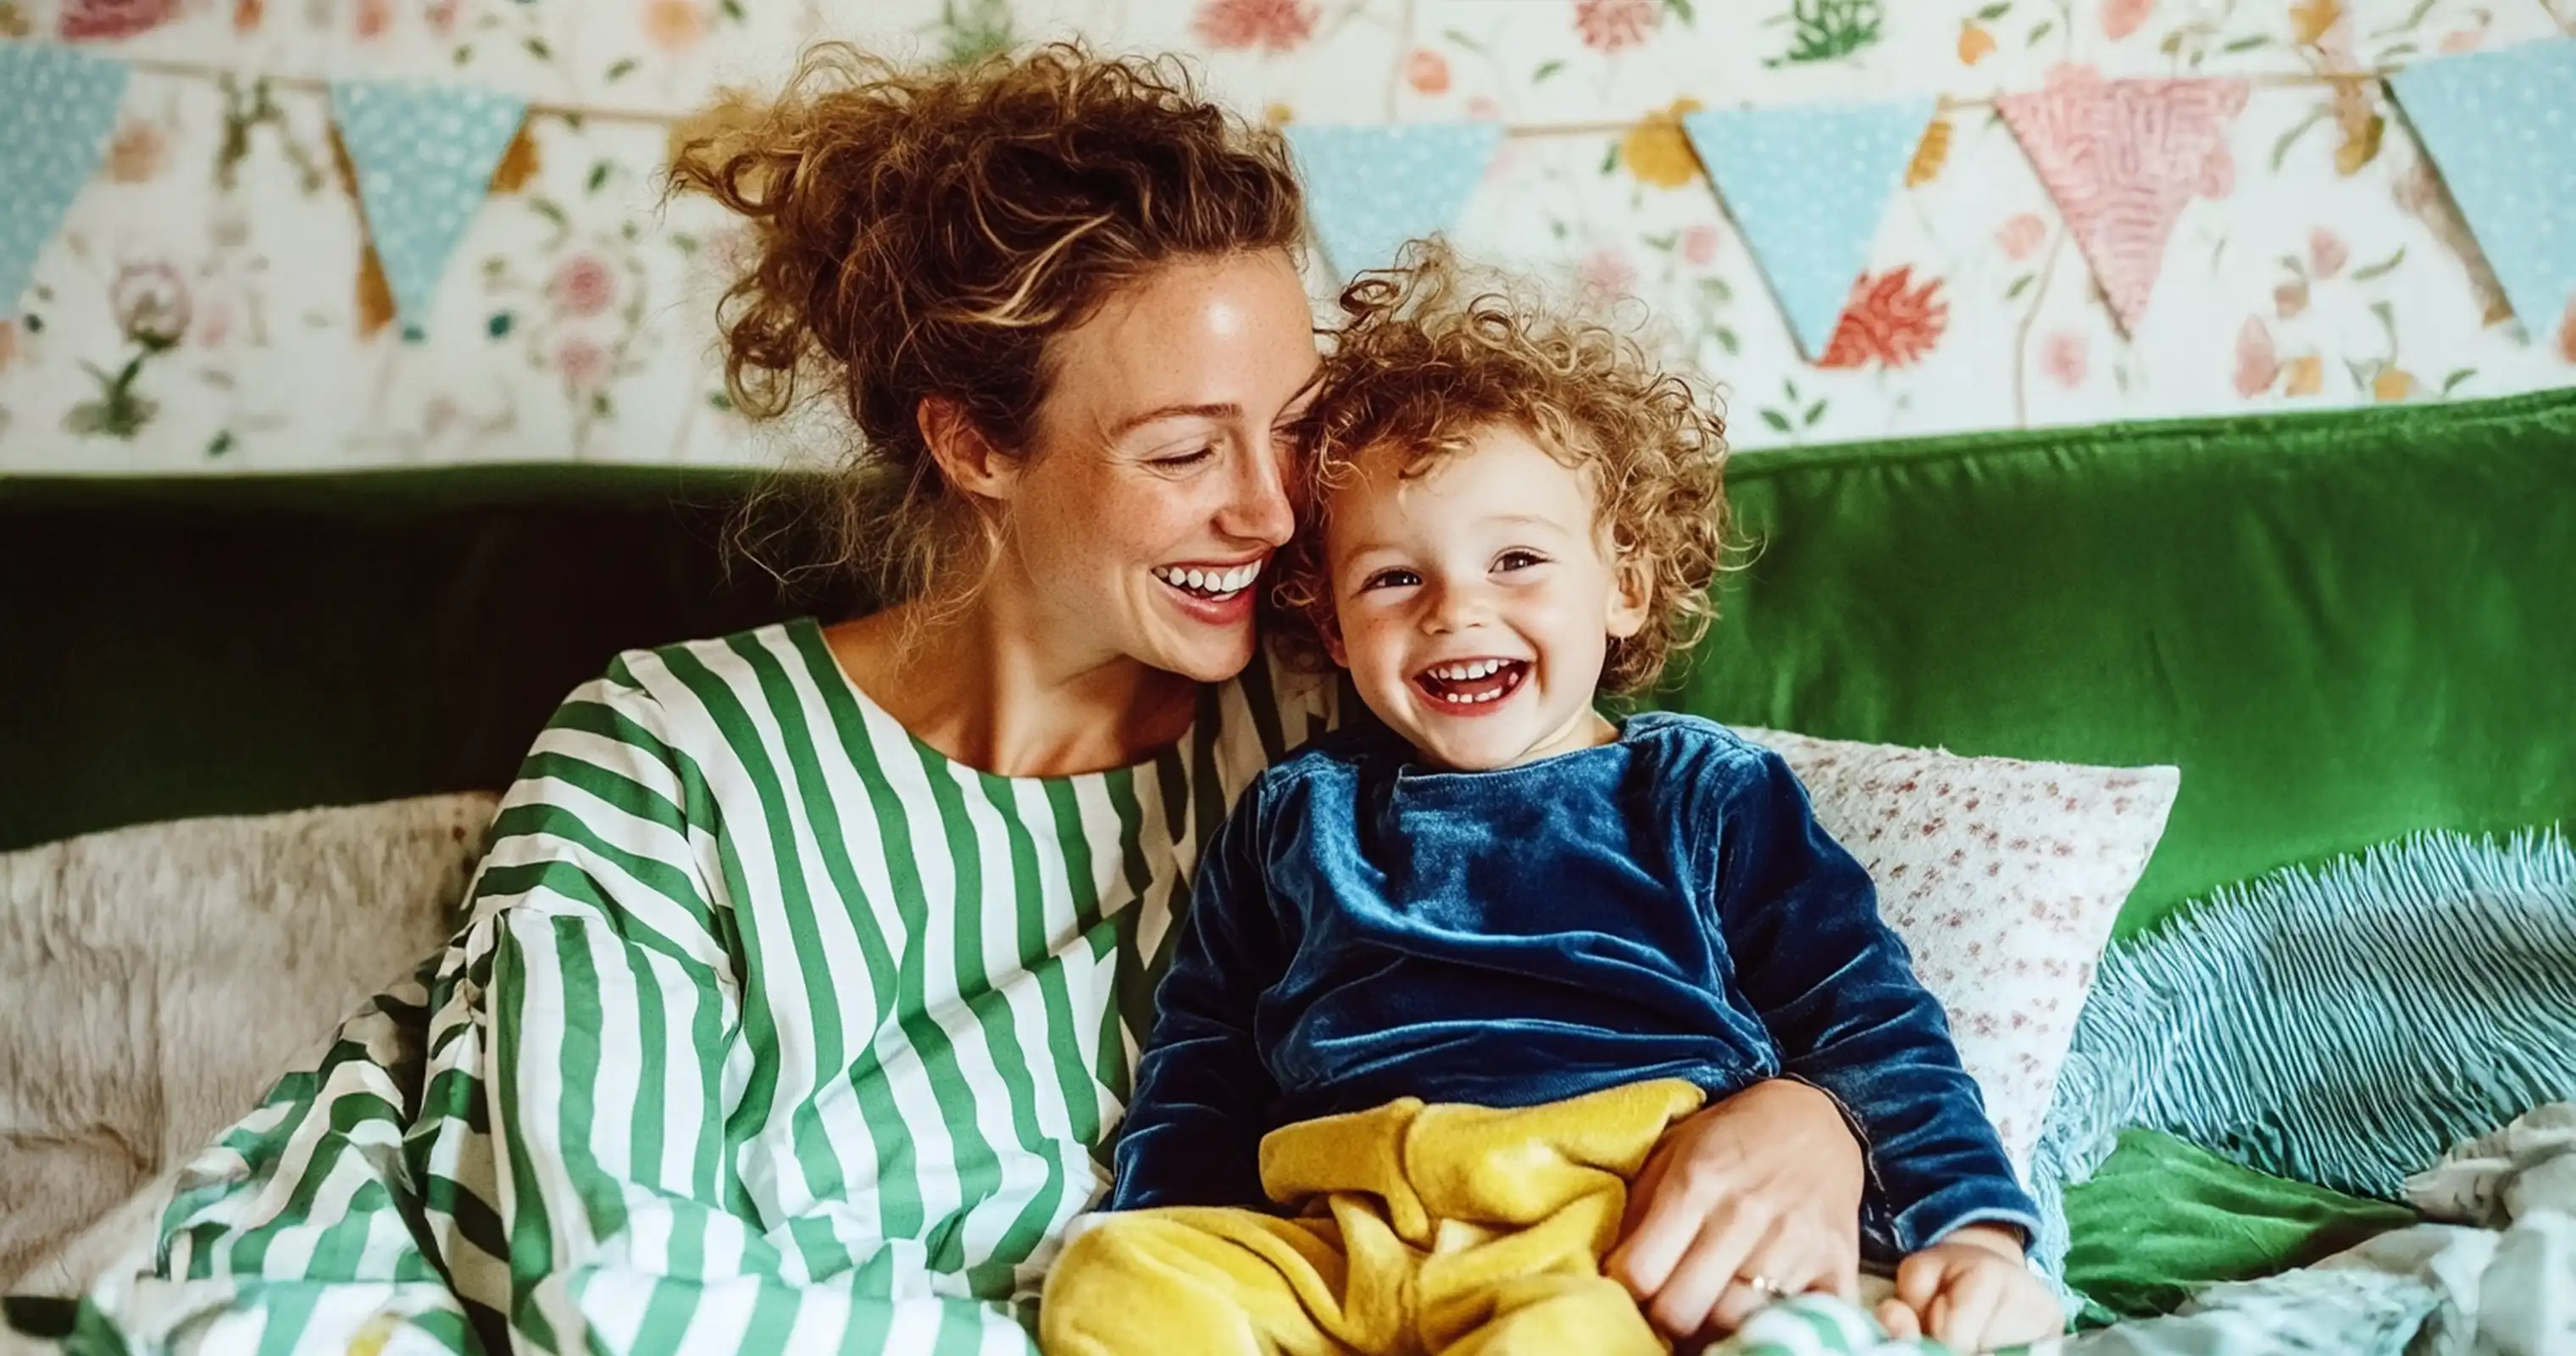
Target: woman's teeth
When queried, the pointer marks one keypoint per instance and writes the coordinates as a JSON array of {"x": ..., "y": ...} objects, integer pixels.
[{"x": 1210, "y": 583}]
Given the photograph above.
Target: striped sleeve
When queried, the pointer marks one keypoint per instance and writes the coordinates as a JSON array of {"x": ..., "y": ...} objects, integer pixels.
[{"x": 615, "y": 1065}]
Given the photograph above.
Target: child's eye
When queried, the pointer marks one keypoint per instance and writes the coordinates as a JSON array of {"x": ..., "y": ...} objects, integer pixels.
[
  {"x": 1390, "y": 579},
  {"x": 1518, "y": 560}
]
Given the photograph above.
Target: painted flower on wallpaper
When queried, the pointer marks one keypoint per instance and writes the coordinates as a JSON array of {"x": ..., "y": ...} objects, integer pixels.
[
  {"x": 137, "y": 153},
  {"x": 675, "y": 26},
  {"x": 1658, "y": 152},
  {"x": 1607, "y": 272},
  {"x": 2567, "y": 334},
  {"x": 2460, "y": 40},
  {"x": 1889, "y": 321},
  {"x": 2021, "y": 236},
  {"x": 1700, "y": 242},
  {"x": 1271, "y": 25},
  {"x": 2304, "y": 375},
  {"x": 583, "y": 286},
  {"x": 1976, "y": 42},
  {"x": 1427, "y": 71},
  {"x": 374, "y": 17},
  {"x": 1616, "y": 25},
  {"x": 2327, "y": 254},
  {"x": 2258, "y": 363},
  {"x": 2392, "y": 383},
  {"x": 2065, "y": 357},
  {"x": 87, "y": 20},
  {"x": 582, "y": 363},
  {"x": 247, "y": 14},
  {"x": 8, "y": 343},
  {"x": 2120, "y": 18},
  {"x": 150, "y": 303}
]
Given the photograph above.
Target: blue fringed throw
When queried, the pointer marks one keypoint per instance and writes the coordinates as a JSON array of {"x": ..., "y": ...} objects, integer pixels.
[{"x": 2342, "y": 1026}]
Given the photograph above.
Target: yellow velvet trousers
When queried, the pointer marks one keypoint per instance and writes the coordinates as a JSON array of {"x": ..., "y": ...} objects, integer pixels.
[{"x": 1460, "y": 1230}]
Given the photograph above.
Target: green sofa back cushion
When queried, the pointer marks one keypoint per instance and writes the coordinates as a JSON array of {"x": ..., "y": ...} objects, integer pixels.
[{"x": 2341, "y": 626}]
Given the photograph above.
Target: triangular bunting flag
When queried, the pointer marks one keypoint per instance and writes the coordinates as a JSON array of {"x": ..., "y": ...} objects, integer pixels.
[
  {"x": 2502, "y": 127},
  {"x": 424, "y": 154},
  {"x": 1806, "y": 186},
  {"x": 60, "y": 108},
  {"x": 2121, "y": 158},
  {"x": 1370, "y": 189}
]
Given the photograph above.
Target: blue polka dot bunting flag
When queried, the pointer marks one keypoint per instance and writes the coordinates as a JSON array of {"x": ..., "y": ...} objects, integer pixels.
[
  {"x": 1806, "y": 186},
  {"x": 2502, "y": 128},
  {"x": 59, "y": 106},
  {"x": 1370, "y": 189},
  {"x": 424, "y": 154}
]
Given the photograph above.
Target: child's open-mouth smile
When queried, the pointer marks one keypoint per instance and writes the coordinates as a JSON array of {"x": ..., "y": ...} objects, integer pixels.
[{"x": 1471, "y": 687}]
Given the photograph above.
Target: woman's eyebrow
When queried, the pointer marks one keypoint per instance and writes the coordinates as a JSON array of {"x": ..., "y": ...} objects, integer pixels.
[{"x": 1223, "y": 410}]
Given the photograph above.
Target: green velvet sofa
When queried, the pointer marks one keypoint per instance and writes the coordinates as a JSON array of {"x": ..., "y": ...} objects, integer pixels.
[{"x": 2343, "y": 627}]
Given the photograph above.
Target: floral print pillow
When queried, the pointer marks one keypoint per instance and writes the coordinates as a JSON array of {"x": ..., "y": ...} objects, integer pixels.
[{"x": 2003, "y": 877}]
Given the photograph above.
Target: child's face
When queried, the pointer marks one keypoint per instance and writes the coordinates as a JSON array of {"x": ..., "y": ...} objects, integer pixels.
[{"x": 1475, "y": 605}]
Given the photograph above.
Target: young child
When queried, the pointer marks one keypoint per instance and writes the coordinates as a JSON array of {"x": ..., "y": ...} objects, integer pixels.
[{"x": 1449, "y": 976}]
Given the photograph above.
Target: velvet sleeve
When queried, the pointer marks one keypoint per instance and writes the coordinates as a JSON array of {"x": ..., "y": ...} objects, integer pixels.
[
  {"x": 1203, "y": 1092},
  {"x": 1836, "y": 988}
]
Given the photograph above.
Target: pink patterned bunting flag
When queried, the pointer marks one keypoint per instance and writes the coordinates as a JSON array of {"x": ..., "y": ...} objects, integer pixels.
[{"x": 2122, "y": 157}]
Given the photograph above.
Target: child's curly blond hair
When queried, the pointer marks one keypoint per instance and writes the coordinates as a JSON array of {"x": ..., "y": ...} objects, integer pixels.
[{"x": 1429, "y": 355}]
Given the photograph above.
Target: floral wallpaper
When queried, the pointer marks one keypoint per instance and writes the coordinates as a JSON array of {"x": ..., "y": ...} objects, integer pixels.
[{"x": 211, "y": 303}]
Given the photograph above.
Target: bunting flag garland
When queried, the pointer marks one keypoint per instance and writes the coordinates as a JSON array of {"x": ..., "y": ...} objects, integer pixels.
[
  {"x": 1806, "y": 187},
  {"x": 1370, "y": 189},
  {"x": 59, "y": 106},
  {"x": 2502, "y": 128},
  {"x": 424, "y": 154},
  {"x": 2121, "y": 158}
]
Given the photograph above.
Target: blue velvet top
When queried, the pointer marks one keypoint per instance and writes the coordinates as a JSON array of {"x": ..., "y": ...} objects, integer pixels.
[{"x": 1665, "y": 905}]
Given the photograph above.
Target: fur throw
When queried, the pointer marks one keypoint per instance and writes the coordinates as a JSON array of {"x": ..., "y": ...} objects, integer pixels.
[{"x": 161, "y": 977}]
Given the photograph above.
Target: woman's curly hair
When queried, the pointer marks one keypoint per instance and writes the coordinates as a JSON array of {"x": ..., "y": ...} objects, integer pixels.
[
  {"x": 1430, "y": 353},
  {"x": 919, "y": 233}
]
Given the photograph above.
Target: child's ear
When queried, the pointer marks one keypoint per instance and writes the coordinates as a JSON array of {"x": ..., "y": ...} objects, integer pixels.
[
  {"x": 1632, "y": 595},
  {"x": 1331, "y": 630}
]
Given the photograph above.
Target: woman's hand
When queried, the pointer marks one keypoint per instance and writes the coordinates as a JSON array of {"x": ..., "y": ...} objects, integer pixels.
[
  {"x": 1972, "y": 1291},
  {"x": 1765, "y": 1184}
]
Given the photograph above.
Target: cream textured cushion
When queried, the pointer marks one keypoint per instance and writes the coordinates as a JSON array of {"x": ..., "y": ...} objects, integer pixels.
[
  {"x": 161, "y": 977},
  {"x": 2004, "y": 878}
]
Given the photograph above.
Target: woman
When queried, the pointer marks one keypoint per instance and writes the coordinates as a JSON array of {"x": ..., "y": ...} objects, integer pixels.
[{"x": 807, "y": 965}]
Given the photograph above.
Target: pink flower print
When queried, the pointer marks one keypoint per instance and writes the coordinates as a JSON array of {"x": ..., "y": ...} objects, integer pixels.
[
  {"x": 1606, "y": 271},
  {"x": 2460, "y": 40},
  {"x": 374, "y": 17},
  {"x": 2257, "y": 363},
  {"x": 582, "y": 363},
  {"x": 8, "y": 343},
  {"x": 2567, "y": 333},
  {"x": 583, "y": 286},
  {"x": 1699, "y": 244},
  {"x": 1616, "y": 25},
  {"x": 2021, "y": 236},
  {"x": 1485, "y": 108},
  {"x": 2064, "y": 358},
  {"x": 1271, "y": 25},
  {"x": 2120, "y": 18},
  {"x": 2327, "y": 254},
  {"x": 86, "y": 20},
  {"x": 2218, "y": 174}
]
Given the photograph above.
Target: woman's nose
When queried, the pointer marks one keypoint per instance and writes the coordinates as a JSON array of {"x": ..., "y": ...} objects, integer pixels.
[{"x": 1258, "y": 509}]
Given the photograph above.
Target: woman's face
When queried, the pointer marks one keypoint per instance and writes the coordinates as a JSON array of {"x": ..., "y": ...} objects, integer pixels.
[{"x": 1157, "y": 489}]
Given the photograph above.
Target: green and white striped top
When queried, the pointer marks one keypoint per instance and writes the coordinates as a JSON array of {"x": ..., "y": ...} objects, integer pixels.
[{"x": 771, "y": 1028}]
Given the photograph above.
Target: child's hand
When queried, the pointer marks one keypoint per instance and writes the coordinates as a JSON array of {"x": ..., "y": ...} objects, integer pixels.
[{"x": 1971, "y": 1292}]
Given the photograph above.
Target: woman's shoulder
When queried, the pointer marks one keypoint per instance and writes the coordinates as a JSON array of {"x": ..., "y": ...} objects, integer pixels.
[{"x": 711, "y": 683}]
